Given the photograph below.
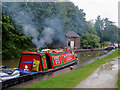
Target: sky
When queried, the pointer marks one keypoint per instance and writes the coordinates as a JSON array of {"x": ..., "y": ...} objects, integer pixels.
[{"x": 104, "y": 8}]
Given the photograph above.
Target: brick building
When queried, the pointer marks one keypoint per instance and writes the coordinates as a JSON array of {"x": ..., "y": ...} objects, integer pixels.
[{"x": 73, "y": 40}]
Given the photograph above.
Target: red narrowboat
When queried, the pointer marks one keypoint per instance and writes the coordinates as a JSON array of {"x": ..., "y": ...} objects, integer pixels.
[{"x": 32, "y": 62}]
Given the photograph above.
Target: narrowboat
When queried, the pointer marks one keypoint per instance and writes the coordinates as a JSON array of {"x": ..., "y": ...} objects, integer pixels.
[
  {"x": 45, "y": 60},
  {"x": 110, "y": 48},
  {"x": 36, "y": 64}
]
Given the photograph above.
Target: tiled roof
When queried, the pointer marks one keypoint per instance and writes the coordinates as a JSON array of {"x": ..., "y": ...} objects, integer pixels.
[{"x": 72, "y": 34}]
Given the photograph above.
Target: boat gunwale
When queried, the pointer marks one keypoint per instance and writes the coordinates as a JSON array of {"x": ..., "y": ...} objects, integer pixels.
[{"x": 49, "y": 53}]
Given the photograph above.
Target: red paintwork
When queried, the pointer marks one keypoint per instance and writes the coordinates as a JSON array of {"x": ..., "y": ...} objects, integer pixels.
[
  {"x": 36, "y": 53},
  {"x": 68, "y": 57},
  {"x": 28, "y": 58},
  {"x": 44, "y": 62},
  {"x": 118, "y": 44},
  {"x": 111, "y": 46},
  {"x": 55, "y": 59}
]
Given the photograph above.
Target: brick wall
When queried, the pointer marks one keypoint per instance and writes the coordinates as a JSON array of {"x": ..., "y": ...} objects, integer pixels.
[{"x": 76, "y": 41}]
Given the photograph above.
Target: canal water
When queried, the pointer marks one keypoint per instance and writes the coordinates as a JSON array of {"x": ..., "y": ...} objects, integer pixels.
[
  {"x": 89, "y": 56},
  {"x": 83, "y": 57}
]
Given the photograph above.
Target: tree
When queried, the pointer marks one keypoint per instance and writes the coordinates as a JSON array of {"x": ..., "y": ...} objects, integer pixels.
[
  {"x": 118, "y": 35},
  {"x": 99, "y": 26},
  {"x": 13, "y": 42},
  {"x": 90, "y": 39},
  {"x": 91, "y": 28},
  {"x": 106, "y": 30}
]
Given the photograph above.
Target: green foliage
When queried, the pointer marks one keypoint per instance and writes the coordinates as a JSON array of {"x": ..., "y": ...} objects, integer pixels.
[
  {"x": 118, "y": 82},
  {"x": 13, "y": 43},
  {"x": 106, "y": 30},
  {"x": 90, "y": 39},
  {"x": 71, "y": 17},
  {"x": 107, "y": 43},
  {"x": 91, "y": 28},
  {"x": 118, "y": 35}
]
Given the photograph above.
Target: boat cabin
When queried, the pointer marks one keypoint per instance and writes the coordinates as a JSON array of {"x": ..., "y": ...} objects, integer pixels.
[{"x": 32, "y": 62}]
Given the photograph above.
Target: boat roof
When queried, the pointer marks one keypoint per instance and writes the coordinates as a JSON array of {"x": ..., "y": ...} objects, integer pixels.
[
  {"x": 36, "y": 53},
  {"x": 41, "y": 53},
  {"x": 110, "y": 46}
]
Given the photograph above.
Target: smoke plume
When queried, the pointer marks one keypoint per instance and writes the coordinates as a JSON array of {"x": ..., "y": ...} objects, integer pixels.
[{"x": 52, "y": 33}]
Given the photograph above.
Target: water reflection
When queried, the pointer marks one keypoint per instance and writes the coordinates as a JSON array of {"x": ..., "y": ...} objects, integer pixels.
[
  {"x": 87, "y": 57},
  {"x": 13, "y": 63}
]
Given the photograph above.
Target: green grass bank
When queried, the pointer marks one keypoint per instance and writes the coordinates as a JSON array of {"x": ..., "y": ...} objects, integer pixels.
[
  {"x": 74, "y": 77},
  {"x": 118, "y": 82}
]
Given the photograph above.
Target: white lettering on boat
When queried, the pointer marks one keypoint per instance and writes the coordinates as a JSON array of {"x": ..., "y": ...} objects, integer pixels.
[
  {"x": 68, "y": 56},
  {"x": 56, "y": 58}
]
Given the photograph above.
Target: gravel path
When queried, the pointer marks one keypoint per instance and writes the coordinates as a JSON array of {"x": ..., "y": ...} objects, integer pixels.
[{"x": 104, "y": 77}]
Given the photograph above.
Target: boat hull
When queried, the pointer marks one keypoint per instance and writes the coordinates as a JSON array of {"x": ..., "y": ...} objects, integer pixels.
[
  {"x": 28, "y": 77},
  {"x": 45, "y": 62}
]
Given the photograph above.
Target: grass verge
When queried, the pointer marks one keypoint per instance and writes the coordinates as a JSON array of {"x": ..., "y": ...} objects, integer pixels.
[
  {"x": 118, "y": 82},
  {"x": 72, "y": 78}
]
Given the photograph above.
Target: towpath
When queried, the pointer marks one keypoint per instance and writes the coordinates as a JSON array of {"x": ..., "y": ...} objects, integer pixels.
[{"x": 104, "y": 77}]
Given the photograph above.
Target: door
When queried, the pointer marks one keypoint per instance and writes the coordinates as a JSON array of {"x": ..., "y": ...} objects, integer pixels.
[{"x": 72, "y": 44}]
